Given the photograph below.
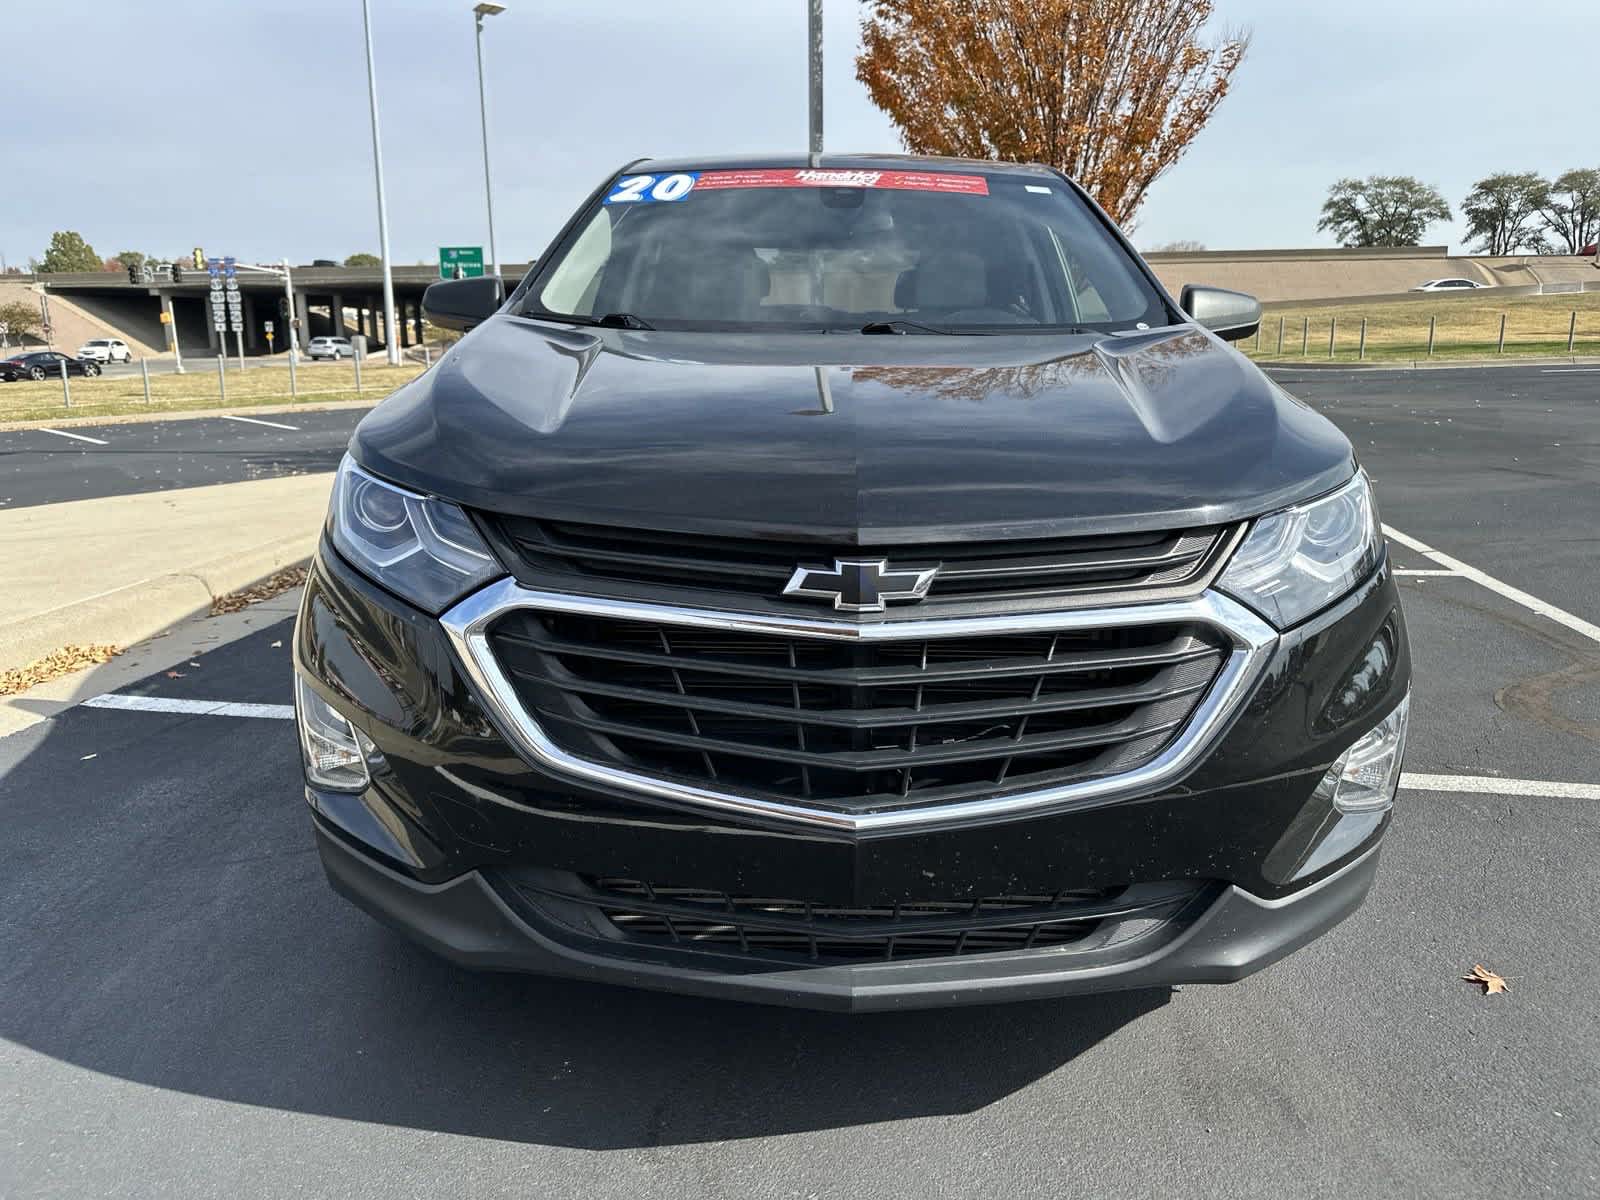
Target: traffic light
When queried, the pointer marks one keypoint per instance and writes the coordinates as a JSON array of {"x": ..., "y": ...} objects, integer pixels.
[
  {"x": 199, "y": 259},
  {"x": 175, "y": 273},
  {"x": 133, "y": 272}
]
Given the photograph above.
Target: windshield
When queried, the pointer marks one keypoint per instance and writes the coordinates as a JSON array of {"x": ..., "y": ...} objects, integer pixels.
[{"x": 831, "y": 249}]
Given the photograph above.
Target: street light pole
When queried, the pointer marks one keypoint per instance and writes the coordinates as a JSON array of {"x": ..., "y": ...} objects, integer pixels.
[
  {"x": 814, "y": 40},
  {"x": 390, "y": 342},
  {"x": 288, "y": 295},
  {"x": 488, "y": 8}
]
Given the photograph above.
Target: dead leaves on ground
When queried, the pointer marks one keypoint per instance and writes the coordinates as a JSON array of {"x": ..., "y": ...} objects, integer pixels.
[
  {"x": 274, "y": 585},
  {"x": 53, "y": 666},
  {"x": 1492, "y": 983}
]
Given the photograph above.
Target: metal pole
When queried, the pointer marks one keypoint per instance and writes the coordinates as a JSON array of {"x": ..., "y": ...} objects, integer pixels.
[
  {"x": 1361, "y": 353},
  {"x": 1333, "y": 324},
  {"x": 44, "y": 319},
  {"x": 172, "y": 331},
  {"x": 294, "y": 341},
  {"x": 1305, "y": 335},
  {"x": 383, "y": 206},
  {"x": 427, "y": 358},
  {"x": 355, "y": 361},
  {"x": 483, "y": 118},
  {"x": 1501, "y": 348},
  {"x": 222, "y": 374},
  {"x": 1432, "y": 322},
  {"x": 144, "y": 369},
  {"x": 1572, "y": 330},
  {"x": 814, "y": 30},
  {"x": 1280, "y": 336},
  {"x": 238, "y": 336},
  {"x": 1258, "y": 339},
  {"x": 66, "y": 388}
]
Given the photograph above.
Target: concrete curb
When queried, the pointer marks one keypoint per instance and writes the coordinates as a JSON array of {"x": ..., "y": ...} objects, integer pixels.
[
  {"x": 1422, "y": 364},
  {"x": 137, "y": 611},
  {"x": 187, "y": 414}
]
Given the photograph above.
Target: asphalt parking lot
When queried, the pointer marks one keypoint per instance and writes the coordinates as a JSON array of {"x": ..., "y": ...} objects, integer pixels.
[{"x": 187, "y": 1010}]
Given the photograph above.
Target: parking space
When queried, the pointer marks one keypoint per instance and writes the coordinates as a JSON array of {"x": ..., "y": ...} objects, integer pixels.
[
  {"x": 185, "y": 1008},
  {"x": 80, "y": 462}
]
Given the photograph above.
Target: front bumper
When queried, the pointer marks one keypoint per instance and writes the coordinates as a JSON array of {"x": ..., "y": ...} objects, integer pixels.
[
  {"x": 453, "y": 809},
  {"x": 468, "y": 921}
]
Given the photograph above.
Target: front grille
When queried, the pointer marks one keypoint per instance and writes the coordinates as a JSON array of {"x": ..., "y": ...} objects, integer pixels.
[
  {"x": 856, "y": 725},
  {"x": 1029, "y": 569},
  {"x": 786, "y": 930}
]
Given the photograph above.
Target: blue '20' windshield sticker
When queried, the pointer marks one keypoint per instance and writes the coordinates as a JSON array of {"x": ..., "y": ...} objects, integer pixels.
[{"x": 649, "y": 189}]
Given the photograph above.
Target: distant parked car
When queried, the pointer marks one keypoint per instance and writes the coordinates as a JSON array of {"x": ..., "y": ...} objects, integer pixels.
[
  {"x": 106, "y": 350},
  {"x": 1448, "y": 285},
  {"x": 44, "y": 364},
  {"x": 330, "y": 347},
  {"x": 1589, "y": 250}
]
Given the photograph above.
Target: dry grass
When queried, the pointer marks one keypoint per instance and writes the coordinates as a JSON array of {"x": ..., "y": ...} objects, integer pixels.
[
  {"x": 198, "y": 389},
  {"x": 53, "y": 666},
  {"x": 275, "y": 585},
  {"x": 1465, "y": 328}
]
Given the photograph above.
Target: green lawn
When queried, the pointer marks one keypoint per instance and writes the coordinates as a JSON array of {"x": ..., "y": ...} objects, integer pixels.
[
  {"x": 198, "y": 389},
  {"x": 1398, "y": 331}
]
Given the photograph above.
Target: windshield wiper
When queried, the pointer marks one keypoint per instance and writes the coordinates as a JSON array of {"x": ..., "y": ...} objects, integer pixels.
[
  {"x": 616, "y": 320},
  {"x": 899, "y": 326}
]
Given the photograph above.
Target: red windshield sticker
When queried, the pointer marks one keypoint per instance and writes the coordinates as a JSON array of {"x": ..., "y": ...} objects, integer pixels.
[{"x": 910, "y": 181}]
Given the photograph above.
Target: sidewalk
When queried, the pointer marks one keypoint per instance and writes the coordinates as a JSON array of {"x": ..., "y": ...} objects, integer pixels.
[{"x": 124, "y": 568}]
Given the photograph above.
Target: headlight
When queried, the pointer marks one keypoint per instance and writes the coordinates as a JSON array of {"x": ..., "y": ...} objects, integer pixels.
[
  {"x": 425, "y": 550},
  {"x": 1299, "y": 561}
]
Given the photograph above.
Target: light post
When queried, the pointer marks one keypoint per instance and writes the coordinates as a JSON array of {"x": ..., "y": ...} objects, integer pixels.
[
  {"x": 814, "y": 79},
  {"x": 488, "y": 8},
  {"x": 390, "y": 343}
]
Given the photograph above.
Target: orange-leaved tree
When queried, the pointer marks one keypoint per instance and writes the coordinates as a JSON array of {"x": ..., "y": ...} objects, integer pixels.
[{"x": 1110, "y": 91}]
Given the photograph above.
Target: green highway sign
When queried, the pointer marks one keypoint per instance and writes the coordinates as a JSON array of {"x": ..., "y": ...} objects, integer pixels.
[{"x": 460, "y": 262}]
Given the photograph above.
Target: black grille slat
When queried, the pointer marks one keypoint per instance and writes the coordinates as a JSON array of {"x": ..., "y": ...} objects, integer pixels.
[
  {"x": 1013, "y": 569},
  {"x": 780, "y": 930},
  {"x": 856, "y": 724}
]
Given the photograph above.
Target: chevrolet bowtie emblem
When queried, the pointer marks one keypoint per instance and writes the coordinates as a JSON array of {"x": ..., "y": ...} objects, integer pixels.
[{"x": 860, "y": 584}]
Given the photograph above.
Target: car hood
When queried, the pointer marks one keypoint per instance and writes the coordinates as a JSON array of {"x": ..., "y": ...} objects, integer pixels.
[{"x": 851, "y": 438}]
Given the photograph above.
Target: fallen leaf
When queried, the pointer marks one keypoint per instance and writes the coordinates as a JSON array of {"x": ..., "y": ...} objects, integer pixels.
[
  {"x": 53, "y": 666},
  {"x": 289, "y": 577},
  {"x": 1492, "y": 983},
  {"x": 174, "y": 674}
]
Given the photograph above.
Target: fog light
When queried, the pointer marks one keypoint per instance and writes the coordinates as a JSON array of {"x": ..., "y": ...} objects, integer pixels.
[
  {"x": 333, "y": 756},
  {"x": 1366, "y": 775}
]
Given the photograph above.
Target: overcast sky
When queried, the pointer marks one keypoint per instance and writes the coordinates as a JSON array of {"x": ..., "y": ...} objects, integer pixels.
[{"x": 241, "y": 125}]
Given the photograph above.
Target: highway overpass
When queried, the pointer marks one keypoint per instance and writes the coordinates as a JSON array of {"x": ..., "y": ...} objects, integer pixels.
[{"x": 328, "y": 300}]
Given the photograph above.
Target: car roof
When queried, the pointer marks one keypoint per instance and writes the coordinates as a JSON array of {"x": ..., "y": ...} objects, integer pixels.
[{"x": 837, "y": 162}]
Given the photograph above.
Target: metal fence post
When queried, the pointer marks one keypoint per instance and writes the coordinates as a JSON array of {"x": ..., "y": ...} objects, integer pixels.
[
  {"x": 1501, "y": 348},
  {"x": 1305, "y": 335},
  {"x": 294, "y": 387},
  {"x": 66, "y": 388},
  {"x": 356, "y": 359},
  {"x": 427, "y": 354},
  {"x": 1280, "y": 337},
  {"x": 1361, "y": 352},
  {"x": 1572, "y": 330},
  {"x": 1333, "y": 325},
  {"x": 222, "y": 373},
  {"x": 144, "y": 369},
  {"x": 1432, "y": 321}
]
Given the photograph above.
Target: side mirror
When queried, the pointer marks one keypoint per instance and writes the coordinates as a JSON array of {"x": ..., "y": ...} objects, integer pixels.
[
  {"x": 461, "y": 303},
  {"x": 1229, "y": 315}
]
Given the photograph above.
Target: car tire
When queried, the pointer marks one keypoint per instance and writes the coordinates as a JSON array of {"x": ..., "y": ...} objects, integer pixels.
[
  {"x": 91, "y": 369},
  {"x": 36, "y": 373}
]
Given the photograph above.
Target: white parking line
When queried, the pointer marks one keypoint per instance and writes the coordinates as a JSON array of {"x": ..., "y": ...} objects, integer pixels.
[
  {"x": 1532, "y": 603},
  {"x": 202, "y": 708},
  {"x": 254, "y": 421},
  {"x": 1503, "y": 787},
  {"x": 77, "y": 437},
  {"x": 1416, "y": 571},
  {"x": 1570, "y": 371}
]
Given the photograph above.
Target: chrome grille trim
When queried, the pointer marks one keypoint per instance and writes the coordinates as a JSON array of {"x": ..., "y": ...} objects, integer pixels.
[{"x": 467, "y": 626}]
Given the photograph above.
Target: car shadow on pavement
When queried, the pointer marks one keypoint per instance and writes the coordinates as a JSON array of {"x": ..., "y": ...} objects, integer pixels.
[{"x": 164, "y": 919}]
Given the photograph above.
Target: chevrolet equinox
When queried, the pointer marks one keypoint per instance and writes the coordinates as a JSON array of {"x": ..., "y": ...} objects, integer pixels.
[{"x": 850, "y": 582}]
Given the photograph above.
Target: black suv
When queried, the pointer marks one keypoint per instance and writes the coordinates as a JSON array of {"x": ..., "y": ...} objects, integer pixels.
[{"x": 850, "y": 582}]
